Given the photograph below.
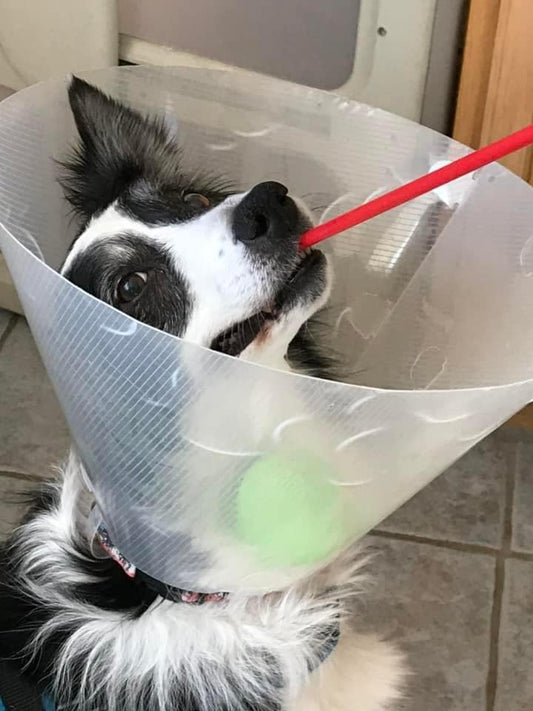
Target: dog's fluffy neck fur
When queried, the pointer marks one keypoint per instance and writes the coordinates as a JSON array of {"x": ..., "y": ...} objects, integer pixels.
[{"x": 115, "y": 646}]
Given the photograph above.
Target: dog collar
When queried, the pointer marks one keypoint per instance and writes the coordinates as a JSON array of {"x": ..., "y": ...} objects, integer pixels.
[
  {"x": 326, "y": 644},
  {"x": 168, "y": 592},
  {"x": 327, "y": 641}
]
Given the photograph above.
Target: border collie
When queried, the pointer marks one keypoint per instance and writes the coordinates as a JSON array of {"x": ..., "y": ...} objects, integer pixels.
[{"x": 221, "y": 270}]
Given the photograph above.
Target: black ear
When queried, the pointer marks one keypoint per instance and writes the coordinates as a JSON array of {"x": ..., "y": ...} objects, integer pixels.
[{"x": 118, "y": 147}]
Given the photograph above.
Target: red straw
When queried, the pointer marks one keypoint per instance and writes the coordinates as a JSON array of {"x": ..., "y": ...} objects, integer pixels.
[{"x": 419, "y": 186}]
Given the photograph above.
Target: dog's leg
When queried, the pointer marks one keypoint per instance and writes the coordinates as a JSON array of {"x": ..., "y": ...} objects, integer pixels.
[{"x": 363, "y": 674}]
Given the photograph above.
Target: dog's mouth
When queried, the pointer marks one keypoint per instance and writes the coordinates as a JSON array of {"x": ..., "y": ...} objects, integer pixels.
[{"x": 301, "y": 282}]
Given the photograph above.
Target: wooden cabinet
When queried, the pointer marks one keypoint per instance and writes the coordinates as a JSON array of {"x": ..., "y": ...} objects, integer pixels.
[
  {"x": 496, "y": 89},
  {"x": 496, "y": 84}
]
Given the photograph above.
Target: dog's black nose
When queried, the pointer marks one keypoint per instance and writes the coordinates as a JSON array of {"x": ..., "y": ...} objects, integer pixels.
[{"x": 265, "y": 213}]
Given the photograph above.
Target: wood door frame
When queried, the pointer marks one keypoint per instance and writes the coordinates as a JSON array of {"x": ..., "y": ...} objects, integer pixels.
[
  {"x": 496, "y": 85},
  {"x": 496, "y": 89}
]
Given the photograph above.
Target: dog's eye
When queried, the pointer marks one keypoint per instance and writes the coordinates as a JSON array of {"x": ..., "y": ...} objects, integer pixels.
[
  {"x": 131, "y": 286},
  {"x": 196, "y": 200}
]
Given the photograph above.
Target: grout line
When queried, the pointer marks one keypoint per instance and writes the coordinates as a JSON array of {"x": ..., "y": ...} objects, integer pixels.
[
  {"x": 495, "y": 620},
  {"x": 438, "y": 543},
  {"x": 521, "y": 555},
  {"x": 499, "y": 583},
  {"x": 510, "y": 483},
  {"x": 10, "y": 326}
]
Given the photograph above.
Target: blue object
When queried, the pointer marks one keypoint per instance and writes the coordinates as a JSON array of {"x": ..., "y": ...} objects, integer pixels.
[{"x": 47, "y": 704}]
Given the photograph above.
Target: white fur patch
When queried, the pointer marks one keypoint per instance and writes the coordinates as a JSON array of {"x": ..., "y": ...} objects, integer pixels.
[
  {"x": 209, "y": 649},
  {"x": 226, "y": 283}
]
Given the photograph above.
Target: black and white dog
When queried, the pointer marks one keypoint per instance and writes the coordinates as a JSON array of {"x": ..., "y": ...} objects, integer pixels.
[{"x": 221, "y": 270}]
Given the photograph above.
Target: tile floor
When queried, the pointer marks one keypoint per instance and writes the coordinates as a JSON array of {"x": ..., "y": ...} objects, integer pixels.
[
  {"x": 454, "y": 567},
  {"x": 5, "y": 92}
]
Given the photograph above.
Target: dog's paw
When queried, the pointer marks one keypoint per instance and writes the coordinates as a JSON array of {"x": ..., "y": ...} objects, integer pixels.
[{"x": 364, "y": 673}]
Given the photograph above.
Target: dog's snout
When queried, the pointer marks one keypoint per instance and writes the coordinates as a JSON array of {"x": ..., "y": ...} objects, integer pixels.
[{"x": 266, "y": 212}]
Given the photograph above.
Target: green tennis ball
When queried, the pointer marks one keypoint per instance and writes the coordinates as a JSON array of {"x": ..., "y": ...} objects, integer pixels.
[{"x": 288, "y": 510}]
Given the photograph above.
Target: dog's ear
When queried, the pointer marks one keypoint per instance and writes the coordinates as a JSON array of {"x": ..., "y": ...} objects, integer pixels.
[{"x": 118, "y": 146}]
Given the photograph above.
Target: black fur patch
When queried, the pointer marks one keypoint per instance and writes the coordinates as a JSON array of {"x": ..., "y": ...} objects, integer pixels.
[
  {"x": 307, "y": 353},
  {"x": 165, "y": 302},
  {"x": 107, "y": 588},
  {"x": 125, "y": 156},
  {"x": 21, "y": 615}
]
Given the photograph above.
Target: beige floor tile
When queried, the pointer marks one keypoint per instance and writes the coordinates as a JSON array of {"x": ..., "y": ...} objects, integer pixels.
[
  {"x": 11, "y": 507},
  {"x": 466, "y": 503},
  {"x": 5, "y": 317},
  {"x": 523, "y": 500},
  {"x": 436, "y": 604},
  {"x": 33, "y": 433},
  {"x": 515, "y": 678}
]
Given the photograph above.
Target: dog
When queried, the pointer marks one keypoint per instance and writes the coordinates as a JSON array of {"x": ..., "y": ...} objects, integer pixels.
[{"x": 220, "y": 269}]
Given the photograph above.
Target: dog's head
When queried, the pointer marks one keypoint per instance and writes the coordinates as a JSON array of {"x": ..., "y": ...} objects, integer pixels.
[{"x": 184, "y": 255}]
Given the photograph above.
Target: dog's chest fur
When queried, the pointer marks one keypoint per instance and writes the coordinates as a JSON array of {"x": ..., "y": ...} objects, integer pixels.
[{"x": 98, "y": 641}]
